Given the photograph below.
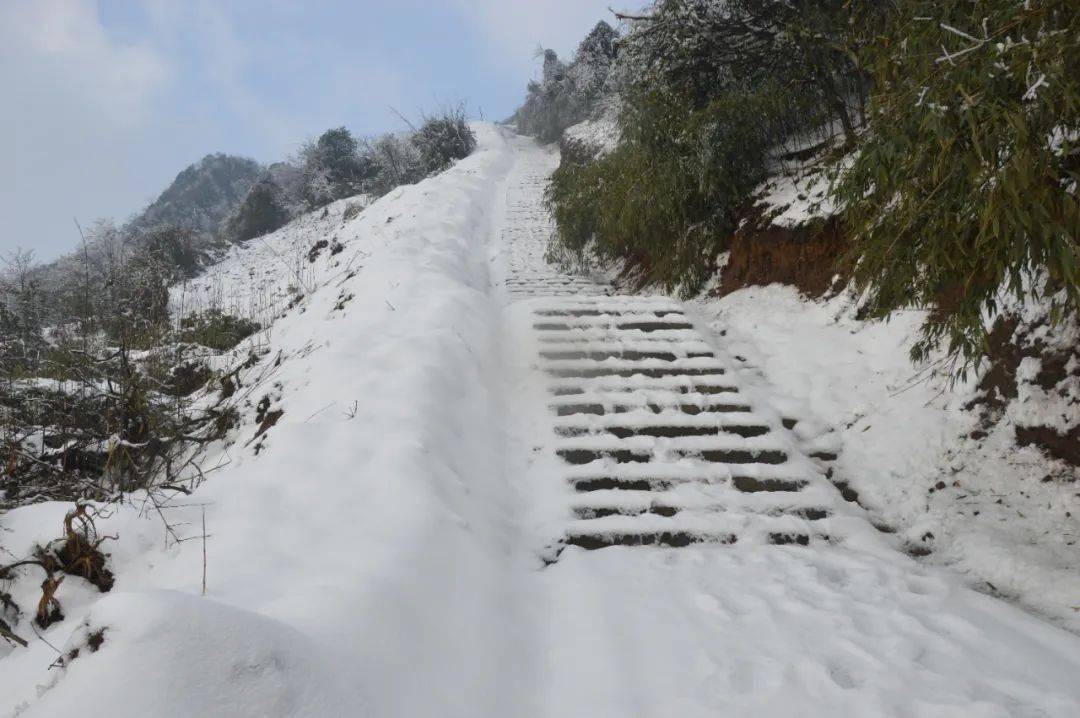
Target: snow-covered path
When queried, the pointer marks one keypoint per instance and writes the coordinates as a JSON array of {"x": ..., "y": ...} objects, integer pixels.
[{"x": 690, "y": 558}]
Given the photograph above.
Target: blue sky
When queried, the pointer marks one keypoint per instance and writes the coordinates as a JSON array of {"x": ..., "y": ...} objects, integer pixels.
[{"x": 107, "y": 100}]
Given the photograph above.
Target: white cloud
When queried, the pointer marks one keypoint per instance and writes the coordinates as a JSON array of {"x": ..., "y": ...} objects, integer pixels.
[
  {"x": 74, "y": 97},
  {"x": 515, "y": 29},
  {"x": 57, "y": 52}
]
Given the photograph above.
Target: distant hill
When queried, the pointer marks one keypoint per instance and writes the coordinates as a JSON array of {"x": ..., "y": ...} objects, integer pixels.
[
  {"x": 202, "y": 196},
  {"x": 184, "y": 222}
]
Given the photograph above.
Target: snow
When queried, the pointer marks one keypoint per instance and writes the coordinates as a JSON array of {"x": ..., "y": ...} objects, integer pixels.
[
  {"x": 183, "y": 655},
  {"x": 901, "y": 432},
  {"x": 374, "y": 537},
  {"x": 383, "y": 553},
  {"x": 796, "y": 196},
  {"x": 599, "y": 134}
]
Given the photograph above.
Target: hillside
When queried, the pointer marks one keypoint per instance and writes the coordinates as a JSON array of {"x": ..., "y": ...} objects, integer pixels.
[
  {"x": 971, "y": 460},
  {"x": 404, "y": 502},
  {"x": 202, "y": 196},
  {"x": 737, "y": 373}
]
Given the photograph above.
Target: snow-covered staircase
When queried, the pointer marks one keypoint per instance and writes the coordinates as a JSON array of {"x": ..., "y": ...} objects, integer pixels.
[
  {"x": 651, "y": 435},
  {"x": 658, "y": 445},
  {"x": 526, "y": 228}
]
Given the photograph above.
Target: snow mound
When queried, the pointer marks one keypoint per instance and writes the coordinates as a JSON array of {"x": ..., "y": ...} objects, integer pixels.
[{"x": 196, "y": 656}]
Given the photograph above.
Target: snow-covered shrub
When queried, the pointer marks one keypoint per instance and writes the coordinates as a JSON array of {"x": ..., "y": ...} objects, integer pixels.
[
  {"x": 397, "y": 161},
  {"x": 443, "y": 139},
  {"x": 334, "y": 168}
]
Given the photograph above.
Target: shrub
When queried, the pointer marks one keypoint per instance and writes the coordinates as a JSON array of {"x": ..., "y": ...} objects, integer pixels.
[
  {"x": 966, "y": 184},
  {"x": 216, "y": 330},
  {"x": 263, "y": 210},
  {"x": 443, "y": 139},
  {"x": 710, "y": 91},
  {"x": 397, "y": 161},
  {"x": 666, "y": 200},
  {"x": 334, "y": 168}
]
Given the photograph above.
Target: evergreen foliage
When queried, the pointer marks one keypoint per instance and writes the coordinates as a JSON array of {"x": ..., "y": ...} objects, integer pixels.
[
  {"x": 712, "y": 91},
  {"x": 966, "y": 184},
  {"x": 264, "y": 209},
  {"x": 666, "y": 200}
]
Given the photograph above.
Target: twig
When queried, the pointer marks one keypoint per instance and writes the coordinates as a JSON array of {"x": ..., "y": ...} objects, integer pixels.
[
  {"x": 403, "y": 118},
  {"x": 351, "y": 412},
  {"x": 204, "y": 551},
  {"x": 319, "y": 411},
  {"x": 42, "y": 638}
]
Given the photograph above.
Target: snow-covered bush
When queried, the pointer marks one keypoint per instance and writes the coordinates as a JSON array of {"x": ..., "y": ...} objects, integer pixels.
[
  {"x": 443, "y": 139},
  {"x": 708, "y": 90},
  {"x": 96, "y": 384},
  {"x": 397, "y": 161},
  {"x": 334, "y": 168}
]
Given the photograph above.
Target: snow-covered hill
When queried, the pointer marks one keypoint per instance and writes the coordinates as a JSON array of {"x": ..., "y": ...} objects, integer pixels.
[
  {"x": 353, "y": 559},
  {"x": 381, "y": 547}
]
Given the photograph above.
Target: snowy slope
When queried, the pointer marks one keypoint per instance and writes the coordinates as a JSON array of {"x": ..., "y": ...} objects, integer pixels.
[
  {"x": 383, "y": 552},
  {"x": 362, "y": 544},
  {"x": 1006, "y": 518}
]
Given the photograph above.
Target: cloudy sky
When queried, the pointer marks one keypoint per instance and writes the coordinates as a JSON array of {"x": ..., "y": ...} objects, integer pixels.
[{"x": 107, "y": 100}]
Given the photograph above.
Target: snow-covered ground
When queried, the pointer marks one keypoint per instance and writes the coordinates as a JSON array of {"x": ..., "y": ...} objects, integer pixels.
[
  {"x": 356, "y": 563},
  {"x": 383, "y": 552},
  {"x": 981, "y": 506}
]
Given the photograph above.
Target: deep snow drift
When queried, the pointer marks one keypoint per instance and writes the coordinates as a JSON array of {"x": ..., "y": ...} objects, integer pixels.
[{"x": 381, "y": 552}]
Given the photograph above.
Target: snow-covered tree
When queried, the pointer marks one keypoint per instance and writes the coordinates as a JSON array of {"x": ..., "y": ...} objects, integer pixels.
[
  {"x": 334, "y": 167},
  {"x": 567, "y": 94}
]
